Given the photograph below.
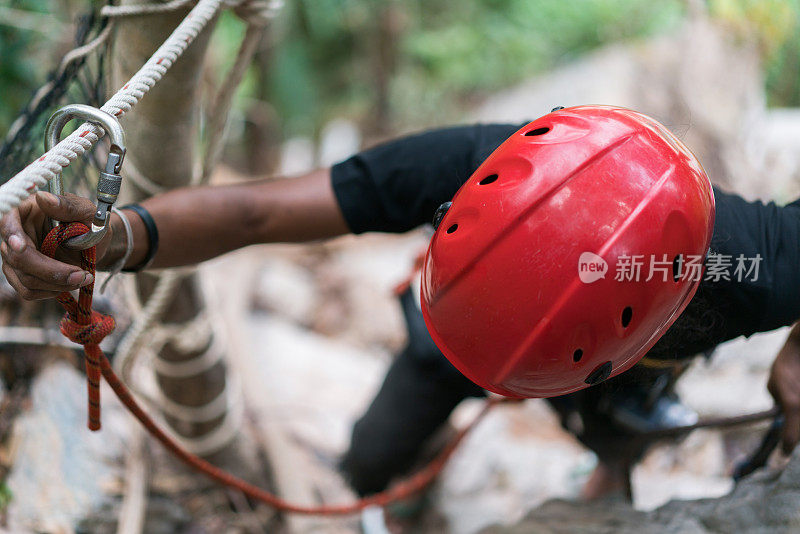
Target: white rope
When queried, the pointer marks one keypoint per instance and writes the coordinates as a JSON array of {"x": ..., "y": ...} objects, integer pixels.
[
  {"x": 83, "y": 51},
  {"x": 193, "y": 366},
  {"x": 218, "y": 438},
  {"x": 190, "y": 336},
  {"x": 156, "y": 304},
  {"x": 257, "y": 11},
  {"x": 257, "y": 14},
  {"x": 213, "y": 409},
  {"x": 120, "y": 264},
  {"x": 36, "y": 175}
]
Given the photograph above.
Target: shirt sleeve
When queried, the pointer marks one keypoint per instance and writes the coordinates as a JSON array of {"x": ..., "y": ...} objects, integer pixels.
[
  {"x": 397, "y": 186},
  {"x": 786, "y": 248},
  {"x": 768, "y": 296}
]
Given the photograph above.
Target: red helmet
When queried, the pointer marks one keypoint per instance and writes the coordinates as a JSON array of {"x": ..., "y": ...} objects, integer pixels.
[{"x": 528, "y": 285}]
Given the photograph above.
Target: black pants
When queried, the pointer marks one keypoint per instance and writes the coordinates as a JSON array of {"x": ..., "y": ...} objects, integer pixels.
[
  {"x": 415, "y": 400},
  {"x": 422, "y": 388}
]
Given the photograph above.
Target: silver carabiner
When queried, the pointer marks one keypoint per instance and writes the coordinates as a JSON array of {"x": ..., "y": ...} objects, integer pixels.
[{"x": 110, "y": 180}]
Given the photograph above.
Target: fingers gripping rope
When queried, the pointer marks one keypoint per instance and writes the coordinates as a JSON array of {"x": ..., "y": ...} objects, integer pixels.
[{"x": 84, "y": 326}]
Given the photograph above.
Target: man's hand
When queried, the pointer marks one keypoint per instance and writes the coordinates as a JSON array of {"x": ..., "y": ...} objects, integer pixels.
[
  {"x": 31, "y": 273},
  {"x": 784, "y": 385}
]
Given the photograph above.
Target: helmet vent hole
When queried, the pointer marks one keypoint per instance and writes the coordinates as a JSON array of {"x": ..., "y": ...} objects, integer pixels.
[
  {"x": 538, "y": 131},
  {"x": 599, "y": 374},
  {"x": 677, "y": 267},
  {"x": 577, "y": 355},
  {"x": 452, "y": 229},
  {"x": 627, "y": 315},
  {"x": 489, "y": 179}
]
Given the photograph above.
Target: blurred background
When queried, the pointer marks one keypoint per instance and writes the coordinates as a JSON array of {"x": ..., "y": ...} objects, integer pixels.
[
  {"x": 391, "y": 67},
  {"x": 320, "y": 323}
]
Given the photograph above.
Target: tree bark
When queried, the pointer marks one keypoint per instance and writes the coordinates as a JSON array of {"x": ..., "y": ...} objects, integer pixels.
[{"x": 162, "y": 138}]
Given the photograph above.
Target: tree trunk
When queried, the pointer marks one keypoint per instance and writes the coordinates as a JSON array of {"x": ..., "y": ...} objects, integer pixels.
[{"x": 162, "y": 138}]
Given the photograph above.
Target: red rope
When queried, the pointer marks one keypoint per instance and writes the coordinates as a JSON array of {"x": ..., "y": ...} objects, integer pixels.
[
  {"x": 81, "y": 324},
  {"x": 87, "y": 327}
]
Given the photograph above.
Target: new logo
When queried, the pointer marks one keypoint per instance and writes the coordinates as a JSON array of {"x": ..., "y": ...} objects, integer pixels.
[{"x": 591, "y": 267}]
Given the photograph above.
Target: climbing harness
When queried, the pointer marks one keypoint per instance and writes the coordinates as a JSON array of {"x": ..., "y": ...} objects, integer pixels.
[{"x": 110, "y": 181}]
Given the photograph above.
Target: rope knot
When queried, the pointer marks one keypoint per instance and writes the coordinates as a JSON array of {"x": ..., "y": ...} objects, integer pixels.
[{"x": 85, "y": 334}]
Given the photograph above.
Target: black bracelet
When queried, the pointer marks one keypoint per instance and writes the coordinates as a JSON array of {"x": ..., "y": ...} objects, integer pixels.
[{"x": 152, "y": 237}]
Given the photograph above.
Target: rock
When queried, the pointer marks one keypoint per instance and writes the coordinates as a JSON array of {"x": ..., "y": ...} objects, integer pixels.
[
  {"x": 766, "y": 502},
  {"x": 297, "y": 156},
  {"x": 165, "y": 515},
  {"x": 736, "y": 374},
  {"x": 317, "y": 386},
  {"x": 367, "y": 269},
  {"x": 774, "y": 147},
  {"x": 695, "y": 467},
  {"x": 286, "y": 288},
  {"x": 516, "y": 458},
  {"x": 339, "y": 140},
  {"x": 61, "y": 471}
]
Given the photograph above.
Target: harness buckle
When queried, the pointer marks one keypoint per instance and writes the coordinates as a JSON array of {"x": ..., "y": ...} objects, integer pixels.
[{"x": 110, "y": 180}]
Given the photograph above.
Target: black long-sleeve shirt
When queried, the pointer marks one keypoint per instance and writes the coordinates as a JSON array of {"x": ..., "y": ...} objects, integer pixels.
[{"x": 397, "y": 186}]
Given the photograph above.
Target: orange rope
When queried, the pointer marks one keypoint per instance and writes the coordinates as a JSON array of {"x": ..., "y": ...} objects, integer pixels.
[{"x": 87, "y": 327}]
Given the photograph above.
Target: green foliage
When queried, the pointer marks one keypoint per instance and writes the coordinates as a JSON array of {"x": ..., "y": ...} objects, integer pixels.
[
  {"x": 326, "y": 60},
  {"x": 769, "y": 22},
  {"x": 5, "y": 495},
  {"x": 775, "y": 26},
  {"x": 783, "y": 73},
  {"x": 783, "y": 64},
  {"x": 21, "y": 49},
  {"x": 448, "y": 53},
  {"x": 319, "y": 66}
]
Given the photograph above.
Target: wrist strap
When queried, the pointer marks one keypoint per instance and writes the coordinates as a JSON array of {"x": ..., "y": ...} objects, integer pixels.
[
  {"x": 152, "y": 237},
  {"x": 120, "y": 263}
]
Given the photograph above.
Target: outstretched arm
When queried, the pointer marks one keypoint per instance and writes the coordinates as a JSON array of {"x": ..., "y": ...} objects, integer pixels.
[
  {"x": 392, "y": 187},
  {"x": 199, "y": 223},
  {"x": 194, "y": 224}
]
